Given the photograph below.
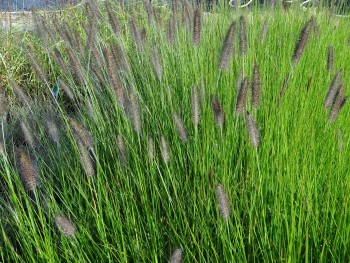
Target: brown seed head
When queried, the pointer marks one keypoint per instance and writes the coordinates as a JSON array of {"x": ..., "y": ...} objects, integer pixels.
[
  {"x": 157, "y": 64},
  {"x": 27, "y": 135},
  {"x": 65, "y": 225},
  {"x": 28, "y": 171},
  {"x": 86, "y": 160},
  {"x": 53, "y": 131},
  {"x": 330, "y": 62},
  {"x": 195, "y": 107},
  {"x": 228, "y": 46},
  {"x": 177, "y": 255},
  {"x": 302, "y": 41},
  {"x": 165, "y": 149},
  {"x": 219, "y": 114},
  {"x": 243, "y": 35},
  {"x": 81, "y": 133},
  {"x": 223, "y": 201},
  {"x": 197, "y": 26},
  {"x": 333, "y": 88},
  {"x": 181, "y": 130},
  {"x": 122, "y": 150},
  {"x": 253, "y": 130},
  {"x": 336, "y": 105},
  {"x": 242, "y": 96},
  {"x": 256, "y": 86},
  {"x": 150, "y": 147}
]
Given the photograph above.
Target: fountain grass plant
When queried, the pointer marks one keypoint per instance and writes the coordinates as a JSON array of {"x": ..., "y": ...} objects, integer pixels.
[{"x": 148, "y": 161}]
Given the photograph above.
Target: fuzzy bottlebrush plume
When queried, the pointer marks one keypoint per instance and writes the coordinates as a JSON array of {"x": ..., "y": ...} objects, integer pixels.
[
  {"x": 113, "y": 77},
  {"x": 197, "y": 26},
  {"x": 345, "y": 99},
  {"x": 96, "y": 60},
  {"x": 3, "y": 107},
  {"x": 134, "y": 111},
  {"x": 223, "y": 201},
  {"x": 27, "y": 135},
  {"x": 171, "y": 27},
  {"x": 76, "y": 66},
  {"x": 263, "y": 32},
  {"x": 165, "y": 149},
  {"x": 242, "y": 96},
  {"x": 135, "y": 33},
  {"x": 27, "y": 170},
  {"x": 175, "y": 7},
  {"x": 143, "y": 36},
  {"x": 252, "y": 129},
  {"x": 39, "y": 70},
  {"x": 123, "y": 156},
  {"x": 86, "y": 161},
  {"x": 330, "y": 61},
  {"x": 337, "y": 102},
  {"x": 228, "y": 46},
  {"x": 148, "y": 8},
  {"x": 67, "y": 90},
  {"x": 65, "y": 225},
  {"x": 219, "y": 114},
  {"x": 58, "y": 58},
  {"x": 302, "y": 41},
  {"x": 333, "y": 88},
  {"x": 243, "y": 35},
  {"x": 81, "y": 133},
  {"x": 186, "y": 13},
  {"x": 53, "y": 130},
  {"x": 20, "y": 94},
  {"x": 150, "y": 148},
  {"x": 177, "y": 256},
  {"x": 157, "y": 63},
  {"x": 181, "y": 130},
  {"x": 195, "y": 107},
  {"x": 256, "y": 87},
  {"x": 113, "y": 20},
  {"x": 92, "y": 29},
  {"x": 120, "y": 57},
  {"x": 2, "y": 149}
]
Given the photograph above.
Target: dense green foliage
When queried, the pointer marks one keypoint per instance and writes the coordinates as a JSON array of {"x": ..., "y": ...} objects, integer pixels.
[{"x": 289, "y": 197}]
